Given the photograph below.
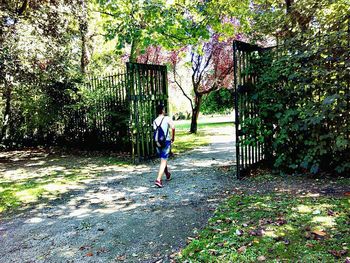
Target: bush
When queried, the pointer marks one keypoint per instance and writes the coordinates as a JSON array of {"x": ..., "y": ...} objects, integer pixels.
[
  {"x": 220, "y": 101},
  {"x": 303, "y": 99}
]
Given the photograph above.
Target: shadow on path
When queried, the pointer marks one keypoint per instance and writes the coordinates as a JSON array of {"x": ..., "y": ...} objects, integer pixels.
[{"x": 121, "y": 216}]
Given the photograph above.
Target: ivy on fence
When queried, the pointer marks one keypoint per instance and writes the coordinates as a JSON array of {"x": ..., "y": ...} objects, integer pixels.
[{"x": 304, "y": 102}]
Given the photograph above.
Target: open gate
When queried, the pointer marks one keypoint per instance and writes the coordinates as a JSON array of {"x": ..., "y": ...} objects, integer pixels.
[
  {"x": 249, "y": 149},
  {"x": 148, "y": 87}
]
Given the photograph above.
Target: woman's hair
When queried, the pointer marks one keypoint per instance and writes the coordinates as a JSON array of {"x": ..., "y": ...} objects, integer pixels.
[{"x": 160, "y": 109}]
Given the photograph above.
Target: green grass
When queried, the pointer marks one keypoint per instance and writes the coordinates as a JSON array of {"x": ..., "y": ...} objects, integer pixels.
[
  {"x": 184, "y": 141},
  {"x": 22, "y": 186},
  {"x": 203, "y": 125},
  {"x": 274, "y": 227}
]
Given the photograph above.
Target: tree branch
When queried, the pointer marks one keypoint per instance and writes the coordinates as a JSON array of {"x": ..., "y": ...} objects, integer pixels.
[
  {"x": 183, "y": 91},
  {"x": 204, "y": 68},
  {"x": 105, "y": 13},
  {"x": 23, "y": 8}
]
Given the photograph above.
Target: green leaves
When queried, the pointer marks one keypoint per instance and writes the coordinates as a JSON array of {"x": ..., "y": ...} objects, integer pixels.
[{"x": 303, "y": 94}]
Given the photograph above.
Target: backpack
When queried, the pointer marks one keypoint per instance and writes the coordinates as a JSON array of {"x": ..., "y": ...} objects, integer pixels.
[{"x": 159, "y": 136}]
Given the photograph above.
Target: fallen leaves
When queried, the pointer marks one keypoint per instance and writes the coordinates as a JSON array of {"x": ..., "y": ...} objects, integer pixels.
[
  {"x": 251, "y": 229},
  {"x": 120, "y": 258},
  {"x": 213, "y": 252},
  {"x": 286, "y": 242},
  {"x": 239, "y": 232},
  {"x": 189, "y": 239},
  {"x": 280, "y": 221},
  {"x": 319, "y": 233},
  {"x": 242, "y": 249},
  {"x": 229, "y": 220},
  {"x": 330, "y": 213},
  {"x": 265, "y": 221},
  {"x": 258, "y": 232},
  {"x": 315, "y": 234},
  {"x": 261, "y": 258},
  {"x": 338, "y": 253}
]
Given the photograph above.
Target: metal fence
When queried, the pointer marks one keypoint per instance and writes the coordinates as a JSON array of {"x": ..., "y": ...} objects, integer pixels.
[{"x": 248, "y": 155}]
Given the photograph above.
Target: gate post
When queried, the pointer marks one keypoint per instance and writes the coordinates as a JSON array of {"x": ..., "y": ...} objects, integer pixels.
[{"x": 236, "y": 122}]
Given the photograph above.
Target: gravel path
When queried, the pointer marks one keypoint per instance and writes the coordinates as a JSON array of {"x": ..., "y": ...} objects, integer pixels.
[{"x": 120, "y": 216}]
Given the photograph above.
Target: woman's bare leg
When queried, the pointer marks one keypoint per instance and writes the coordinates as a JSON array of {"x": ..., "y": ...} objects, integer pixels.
[{"x": 163, "y": 165}]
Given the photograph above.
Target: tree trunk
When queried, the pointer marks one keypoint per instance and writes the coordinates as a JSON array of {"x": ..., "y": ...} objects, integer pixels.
[
  {"x": 195, "y": 112},
  {"x": 135, "y": 50},
  {"x": 83, "y": 26},
  {"x": 289, "y": 4},
  {"x": 7, "y": 114}
]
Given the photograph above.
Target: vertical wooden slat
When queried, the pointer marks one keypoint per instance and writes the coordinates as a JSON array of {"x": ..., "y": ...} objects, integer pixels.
[
  {"x": 141, "y": 113},
  {"x": 236, "y": 118},
  {"x": 147, "y": 116}
]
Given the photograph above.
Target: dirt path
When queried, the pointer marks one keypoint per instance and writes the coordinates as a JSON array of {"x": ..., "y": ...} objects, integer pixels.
[{"x": 121, "y": 216}]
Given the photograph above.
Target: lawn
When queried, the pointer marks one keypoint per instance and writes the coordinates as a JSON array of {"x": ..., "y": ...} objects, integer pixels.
[
  {"x": 185, "y": 141},
  {"x": 202, "y": 125},
  {"x": 274, "y": 228}
]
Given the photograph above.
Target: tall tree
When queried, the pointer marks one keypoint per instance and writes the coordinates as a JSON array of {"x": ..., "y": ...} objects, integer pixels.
[
  {"x": 170, "y": 24},
  {"x": 83, "y": 29},
  {"x": 38, "y": 58}
]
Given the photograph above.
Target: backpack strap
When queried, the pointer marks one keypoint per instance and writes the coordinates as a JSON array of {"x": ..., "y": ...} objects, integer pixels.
[
  {"x": 167, "y": 131},
  {"x": 160, "y": 124}
]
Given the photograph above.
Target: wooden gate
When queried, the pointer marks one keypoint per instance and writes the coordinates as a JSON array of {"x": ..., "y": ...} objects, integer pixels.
[
  {"x": 148, "y": 87},
  {"x": 249, "y": 149}
]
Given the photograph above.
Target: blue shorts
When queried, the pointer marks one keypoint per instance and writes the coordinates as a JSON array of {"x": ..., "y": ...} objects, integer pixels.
[{"x": 164, "y": 152}]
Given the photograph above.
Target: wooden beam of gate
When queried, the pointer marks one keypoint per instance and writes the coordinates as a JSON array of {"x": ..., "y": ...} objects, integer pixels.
[{"x": 148, "y": 86}]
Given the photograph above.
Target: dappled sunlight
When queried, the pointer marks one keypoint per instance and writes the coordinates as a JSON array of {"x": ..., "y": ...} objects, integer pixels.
[
  {"x": 38, "y": 163},
  {"x": 34, "y": 220},
  {"x": 314, "y": 209},
  {"x": 62, "y": 188},
  {"x": 40, "y": 178},
  {"x": 270, "y": 233},
  {"x": 311, "y": 195},
  {"x": 326, "y": 221},
  {"x": 79, "y": 213},
  {"x": 139, "y": 190},
  {"x": 303, "y": 209},
  {"x": 29, "y": 196}
]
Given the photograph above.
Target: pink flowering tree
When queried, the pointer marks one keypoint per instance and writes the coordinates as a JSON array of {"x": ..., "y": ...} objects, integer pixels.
[
  {"x": 211, "y": 69},
  {"x": 152, "y": 55}
]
